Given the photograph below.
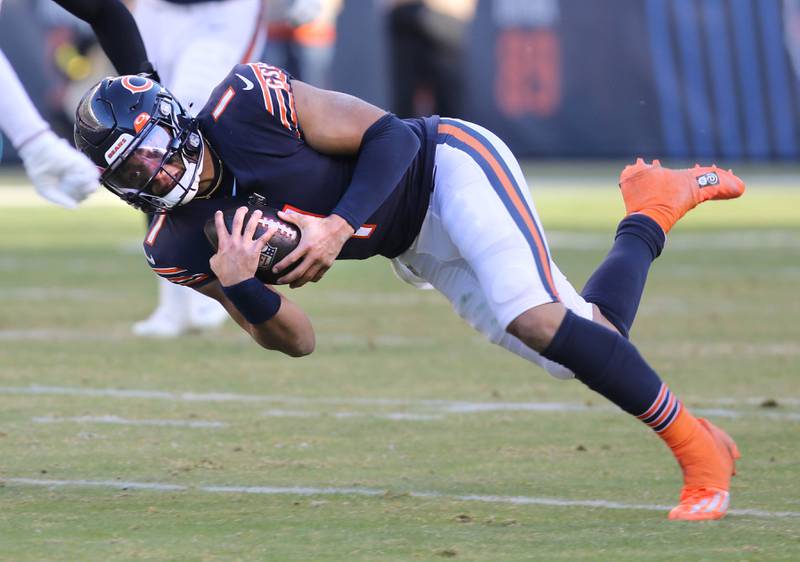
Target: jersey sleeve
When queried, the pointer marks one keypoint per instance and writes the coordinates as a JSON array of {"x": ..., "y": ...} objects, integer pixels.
[
  {"x": 275, "y": 87},
  {"x": 255, "y": 101},
  {"x": 178, "y": 255}
]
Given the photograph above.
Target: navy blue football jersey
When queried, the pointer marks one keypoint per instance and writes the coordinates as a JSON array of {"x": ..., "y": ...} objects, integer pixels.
[{"x": 251, "y": 124}]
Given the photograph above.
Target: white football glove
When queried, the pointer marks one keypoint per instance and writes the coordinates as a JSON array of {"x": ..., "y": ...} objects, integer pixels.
[
  {"x": 300, "y": 12},
  {"x": 59, "y": 173}
]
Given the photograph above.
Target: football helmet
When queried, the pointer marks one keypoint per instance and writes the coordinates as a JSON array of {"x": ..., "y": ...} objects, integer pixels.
[{"x": 147, "y": 147}]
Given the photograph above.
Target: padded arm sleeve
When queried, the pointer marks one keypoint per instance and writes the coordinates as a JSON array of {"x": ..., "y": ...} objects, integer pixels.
[
  {"x": 115, "y": 29},
  {"x": 19, "y": 119},
  {"x": 387, "y": 150}
]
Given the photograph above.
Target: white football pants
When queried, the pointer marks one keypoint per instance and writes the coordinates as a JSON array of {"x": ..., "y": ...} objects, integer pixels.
[{"x": 482, "y": 244}]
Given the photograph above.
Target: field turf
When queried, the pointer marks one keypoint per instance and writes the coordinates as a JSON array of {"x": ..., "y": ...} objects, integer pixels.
[{"x": 404, "y": 436}]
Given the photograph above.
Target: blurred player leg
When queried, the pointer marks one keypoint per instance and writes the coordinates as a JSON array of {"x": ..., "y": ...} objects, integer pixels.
[
  {"x": 232, "y": 33},
  {"x": 300, "y": 38},
  {"x": 193, "y": 46},
  {"x": 171, "y": 317}
]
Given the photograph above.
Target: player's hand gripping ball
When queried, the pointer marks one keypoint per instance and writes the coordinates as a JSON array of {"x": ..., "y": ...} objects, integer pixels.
[{"x": 279, "y": 246}]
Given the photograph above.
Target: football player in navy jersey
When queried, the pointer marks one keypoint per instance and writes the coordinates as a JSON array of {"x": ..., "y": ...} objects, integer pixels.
[{"x": 443, "y": 198}]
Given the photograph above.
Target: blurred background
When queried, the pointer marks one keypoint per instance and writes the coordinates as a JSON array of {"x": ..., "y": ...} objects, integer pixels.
[{"x": 554, "y": 78}]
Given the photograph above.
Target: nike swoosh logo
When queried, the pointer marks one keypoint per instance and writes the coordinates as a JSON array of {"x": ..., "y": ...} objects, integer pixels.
[
  {"x": 150, "y": 258},
  {"x": 248, "y": 85}
]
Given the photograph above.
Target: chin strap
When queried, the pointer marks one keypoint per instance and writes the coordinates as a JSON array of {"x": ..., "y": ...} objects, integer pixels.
[
  {"x": 180, "y": 194},
  {"x": 219, "y": 173}
]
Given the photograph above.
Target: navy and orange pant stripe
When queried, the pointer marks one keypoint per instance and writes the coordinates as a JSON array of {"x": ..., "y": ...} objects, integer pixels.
[{"x": 461, "y": 136}]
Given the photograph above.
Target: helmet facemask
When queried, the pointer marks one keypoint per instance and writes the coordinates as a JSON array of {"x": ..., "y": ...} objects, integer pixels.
[{"x": 160, "y": 167}]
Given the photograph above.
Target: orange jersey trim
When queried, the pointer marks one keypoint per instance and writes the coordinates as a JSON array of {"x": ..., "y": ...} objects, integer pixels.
[
  {"x": 168, "y": 270},
  {"x": 264, "y": 88},
  {"x": 364, "y": 231}
]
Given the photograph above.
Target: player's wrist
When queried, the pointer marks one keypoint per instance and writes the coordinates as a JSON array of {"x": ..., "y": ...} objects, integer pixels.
[
  {"x": 31, "y": 145},
  {"x": 340, "y": 226},
  {"x": 231, "y": 278},
  {"x": 253, "y": 300}
]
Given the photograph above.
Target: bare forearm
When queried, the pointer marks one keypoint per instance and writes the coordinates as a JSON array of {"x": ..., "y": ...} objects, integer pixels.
[
  {"x": 333, "y": 122},
  {"x": 19, "y": 119},
  {"x": 289, "y": 331}
]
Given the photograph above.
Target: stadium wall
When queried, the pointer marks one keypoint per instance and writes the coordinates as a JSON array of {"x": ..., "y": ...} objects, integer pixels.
[
  {"x": 571, "y": 78},
  {"x": 578, "y": 79}
]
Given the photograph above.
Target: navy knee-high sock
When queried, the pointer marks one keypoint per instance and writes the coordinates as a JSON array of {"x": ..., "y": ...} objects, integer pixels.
[
  {"x": 617, "y": 284},
  {"x": 610, "y": 365}
]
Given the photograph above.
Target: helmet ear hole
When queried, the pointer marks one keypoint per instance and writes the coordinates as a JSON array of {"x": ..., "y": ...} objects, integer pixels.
[{"x": 193, "y": 144}]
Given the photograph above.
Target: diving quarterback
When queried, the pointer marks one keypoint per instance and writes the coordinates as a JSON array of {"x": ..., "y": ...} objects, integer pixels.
[{"x": 445, "y": 199}]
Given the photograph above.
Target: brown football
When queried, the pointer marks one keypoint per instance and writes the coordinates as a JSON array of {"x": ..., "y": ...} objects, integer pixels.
[{"x": 279, "y": 246}]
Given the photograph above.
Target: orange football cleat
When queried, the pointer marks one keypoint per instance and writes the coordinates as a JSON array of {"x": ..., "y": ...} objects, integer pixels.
[
  {"x": 666, "y": 195},
  {"x": 701, "y": 504},
  {"x": 708, "y": 464}
]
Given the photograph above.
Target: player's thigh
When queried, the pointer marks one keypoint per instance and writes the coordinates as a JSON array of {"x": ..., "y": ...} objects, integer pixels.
[
  {"x": 456, "y": 280},
  {"x": 505, "y": 160},
  {"x": 481, "y": 203}
]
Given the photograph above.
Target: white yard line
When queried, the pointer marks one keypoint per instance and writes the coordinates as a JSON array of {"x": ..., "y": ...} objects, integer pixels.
[
  {"x": 49, "y": 335},
  {"x": 433, "y": 407},
  {"x": 369, "y": 492},
  {"x": 455, "y": 405},
  {"x": 394, "y": 416},
  {"x": 121, "y": 333},
  {"x": 751, "y": 401},
  {"x": 116, "y": 420},
  {"x": 725, "y": 413},
  {"x": 51, "y": 293}
]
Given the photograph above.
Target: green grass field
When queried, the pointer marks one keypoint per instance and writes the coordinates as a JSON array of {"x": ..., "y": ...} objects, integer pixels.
[{"x": 404, "y": 436}]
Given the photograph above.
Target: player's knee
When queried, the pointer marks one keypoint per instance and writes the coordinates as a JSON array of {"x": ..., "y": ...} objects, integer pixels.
[{"x": 537, "y": 326}]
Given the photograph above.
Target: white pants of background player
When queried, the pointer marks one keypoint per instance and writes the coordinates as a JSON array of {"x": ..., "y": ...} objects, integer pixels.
[
  {"x": 471, "y": 249},
  {"x": 58, "y": 172},
  {"x": 193, "y": 47}
]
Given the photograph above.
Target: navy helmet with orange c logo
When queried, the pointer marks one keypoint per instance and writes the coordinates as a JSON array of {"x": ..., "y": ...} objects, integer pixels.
[{"x": 149, "y": 150}]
